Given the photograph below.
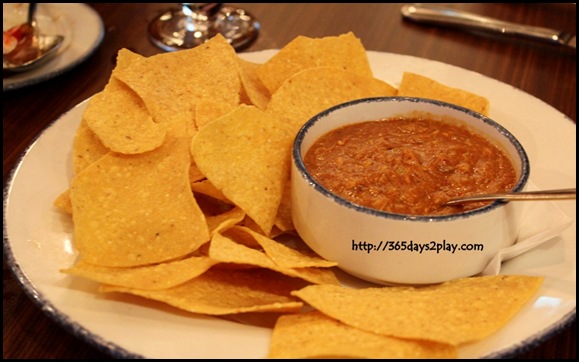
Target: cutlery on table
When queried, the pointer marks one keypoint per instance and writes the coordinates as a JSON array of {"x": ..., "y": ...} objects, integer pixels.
[{"x": 428, "y": 13}]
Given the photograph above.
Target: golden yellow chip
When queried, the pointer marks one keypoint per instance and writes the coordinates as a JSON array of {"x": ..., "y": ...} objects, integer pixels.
[
  {"x": 63, "y": 202},
  {"x": 131, "y": 210},
  {"x": 150, "y": 277},
  {"x": 86, "y": 148},
  {"x": 285, "y": 256},
  {"x": 225, "y": 220},
  {"x": 344, "y": 51},
  {"x": 456, "y": 312},
  {"x": 120, "y": 120},
  {"x": 224, "y": 291},
  {"x": 224, "y": 249},
  {"x": 171, "y": 84},
  {"x": 416, "y": 85},
  {"x": 316, "y": 89},
  {"x": 207, "y": 188},
  {"x": 254, "y": 92},
  {"x": 315, "y": 335},
  {"x": 283, "y": 219},
  {"x": 246, "y": 155},
  {"x": 208, "y": 110}
]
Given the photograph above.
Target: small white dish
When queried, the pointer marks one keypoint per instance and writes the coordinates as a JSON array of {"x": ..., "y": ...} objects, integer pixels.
[
  {"x": 81, "y": 26},
  {"x": 388, "y": 248}
]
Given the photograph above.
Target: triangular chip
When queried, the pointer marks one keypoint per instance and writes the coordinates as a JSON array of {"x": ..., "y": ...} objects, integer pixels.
[
  {"x": 86, "y": 148},
  {"x": 224, "y": 291},
  {"x": 456, "y": 312},
  {"x": 150, "y": 277},
  {"x": 120, "y": 120},
  {"x": 316, "y": 89},
  {"x": 315, "y": 335},
  {"x": 226, "y": 250},
  {"x": 131, "y": 210},
  {"x": 284, "y": 256},
  {"x": 246, "y": 155},
  {"x": 416, "y": 85},
  {"x": 345, "y": 52},
  {"x": 254, "y": 92},
  {"x": 171, "y": 84}
]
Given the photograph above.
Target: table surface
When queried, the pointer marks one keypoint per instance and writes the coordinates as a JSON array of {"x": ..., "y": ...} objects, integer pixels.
[{"x": 546, "y": 72}]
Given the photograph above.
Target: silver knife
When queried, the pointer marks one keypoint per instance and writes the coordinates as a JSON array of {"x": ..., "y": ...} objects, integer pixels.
[{"x": 428, "y": 13}]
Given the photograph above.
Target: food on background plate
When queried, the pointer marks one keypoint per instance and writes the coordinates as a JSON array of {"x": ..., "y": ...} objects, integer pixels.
[
  {"x": 180, "y": 191},
  {"x": 410, "y": 165}
]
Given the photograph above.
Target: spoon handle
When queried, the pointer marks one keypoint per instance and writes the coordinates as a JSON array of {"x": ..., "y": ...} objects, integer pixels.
[
  {"x": 562, "y": 194},
  {"x": 32, "y": 13}
]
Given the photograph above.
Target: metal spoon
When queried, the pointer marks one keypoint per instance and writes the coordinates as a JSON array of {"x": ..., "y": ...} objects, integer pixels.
[
  {"x": 562, "y": 194},
  {"x": 41, "y": 48}
]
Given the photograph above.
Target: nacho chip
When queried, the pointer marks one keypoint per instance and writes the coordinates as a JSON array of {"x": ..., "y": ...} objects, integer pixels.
[
  {"x": 171, "y": 84},
  {"x": 150, "y": 277},
  {"x": 315, "y": 335},
  {"x": 345, "y": 52},
  {"x": 225, "y": 220},
  {"x": 226, "y": 250},
  {"x": 416, "y": 85},
  {"x": 223, "y": 291},
  {"x": 246, "y": 155},
  {"x": 120, "y": 120},
  {"x": 456, "y": 312},
  {"x": 131, "y": 210},
  {"x": 86, "y": 148},
  {"x": 254, "y": 92},
  {"x": 207, "y": 188},
  {"x": 283, "y": 255},
  {"x": 316, "y": 89},
  {"x": 283, "y": 219},
  {"x": 63, "y": 202}
]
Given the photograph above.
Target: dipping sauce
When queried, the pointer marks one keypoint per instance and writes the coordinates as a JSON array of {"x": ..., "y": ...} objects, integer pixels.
[{"x": 409, "y": 166}]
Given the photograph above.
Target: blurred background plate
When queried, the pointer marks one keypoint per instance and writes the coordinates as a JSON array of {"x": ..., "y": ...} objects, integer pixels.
[{"x": 81, "y": 26}]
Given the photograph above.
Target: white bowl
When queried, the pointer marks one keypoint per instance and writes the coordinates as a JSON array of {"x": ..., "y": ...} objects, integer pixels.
[{"x": 342, "y": 231}]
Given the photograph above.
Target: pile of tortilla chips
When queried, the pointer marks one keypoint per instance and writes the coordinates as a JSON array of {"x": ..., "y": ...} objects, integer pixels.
[{"x": 181, "y": 195}]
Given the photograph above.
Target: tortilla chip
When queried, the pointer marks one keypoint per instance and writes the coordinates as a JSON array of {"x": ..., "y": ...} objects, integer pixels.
[
  {"x": 223, "y": 291},
  {"x": 131, "y": 210},
  {"x": 345, "y": 52},
  {"x": 63, "y": 202},
  {"x": 246, "y": 155},
  {"x": 254, "y": 92},
  {"x": 316, "y": 89},
  {"x": 456, "y": 312},
  {"x": 120, "y": 120},
  {"x": 285, "y": 256},
  {"x": 225, "y": 220},
  {"x": 416, "y": 85},
  {"x": 315, "y": 335},
  {"x": 86, "y": 148},
  {"x": 171, "y": 84},
  {"x": 226, "y": 250},
  {"x": 150, "y": 277}
]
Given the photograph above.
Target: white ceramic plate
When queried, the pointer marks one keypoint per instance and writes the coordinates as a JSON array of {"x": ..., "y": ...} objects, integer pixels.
[
  {"x": 81, "y": 26},
  {"x": 37, "y": 239}
]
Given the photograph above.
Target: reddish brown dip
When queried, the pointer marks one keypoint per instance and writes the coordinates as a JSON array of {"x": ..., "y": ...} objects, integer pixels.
[{"x": 409, "y": 165}]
